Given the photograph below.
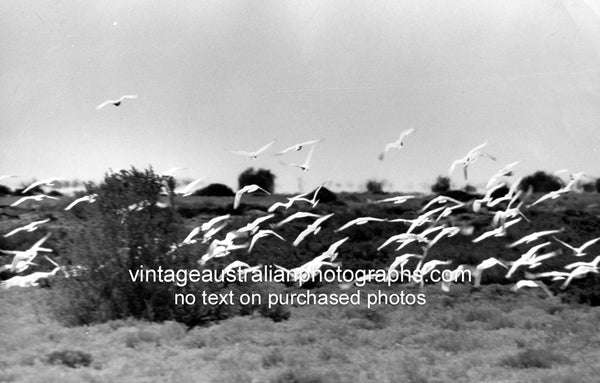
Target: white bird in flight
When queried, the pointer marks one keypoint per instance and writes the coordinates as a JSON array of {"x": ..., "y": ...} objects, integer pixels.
[
  {"x": 396, "y": 200},
  {"x": 31, "y": 227},
  {"x": 208, "y": 225},
  {"x": 88, "y": 198},
  {"x": 578, "y": 251},
  {"x": 360, "y": 221},
  {"x": 313, "y": 228},
  {"x": 211, "y": 232},
  {"x": 46, "y": 181},
  {"x": 531, "y": 259},
  {"x": 441, "y": 199},
  {"x": 473, "y": 155},
  {"x": 306, "y": 164},
  {"x": 29, "y": 254},
  {"x": 252, "y": 155},
  {"x": 332, "y": 252},
  {"x": 396, "y": 144},
  {"x": 188, "y": 189},
  {"x": 38, "y": 198},
  {"x": 579, "y": 272},
  {"x": 297, "y": 215},
  {"x": 246, "y": 189},
  {"x": 252, "y": 227},
  {"x": 592, "y": 263},
  {"x": 530, "y": 283},
  {"x": 31, "y": 279},
  {"x": 242, "y": 269},
  {"x": 504, "y": 172},
  {"x": 289, "y": 203},
  {"x": 299, "y": 146},
  {"x": 261, "y": 234},
  {"x": 118, "y": 101},
  {"x": 535, "y": 236},
  {"x": 497, "y": 232}
]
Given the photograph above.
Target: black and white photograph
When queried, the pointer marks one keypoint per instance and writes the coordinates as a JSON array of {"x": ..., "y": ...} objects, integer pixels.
[{"x": 290, "y": 191}]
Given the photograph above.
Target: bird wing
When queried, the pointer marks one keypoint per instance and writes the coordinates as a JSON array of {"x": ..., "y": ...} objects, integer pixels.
[
  {"x": 78, "y": 200},
  {"x": 346, "y": 225},
  {"x": 20, "y": 200},
  {"x": 589, "y": 243},
  {"x": 286, "y": 150},
  {"x": 13, "y": 232},
  {"x": 484, "y": 236},
  {"x": 302, "y": 235},
  {"x": 187, "y": 189},
  {"x": 564, "y": 244},
  {"x": 107, "y": 102},
  {"x": 264, "y": 148},
  {"x": 192, "y": 234},
  {"x": 453, "y": 166},
  {"x": 389, "y": 147},
  {"x": 241, "y": 152},
  {"x": 476, "y": 149},
  {"x": 309, "y": 156},
  {"x": 259, "y": 188},
  {"x": 254, "y": 239},
  {"x": 37, "y": 183},
  {"x": 406, "y": 133},
  {"x": 238, "y": 197},
  {"x": 275, "y": 206}
]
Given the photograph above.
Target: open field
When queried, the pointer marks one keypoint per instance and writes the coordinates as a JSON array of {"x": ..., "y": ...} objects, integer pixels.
[
  {"x": 491, "y": 335},
  {"x": 487, "y": 334}
]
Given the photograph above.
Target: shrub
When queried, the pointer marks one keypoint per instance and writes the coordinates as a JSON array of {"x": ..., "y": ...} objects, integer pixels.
[
  {"x": 277, "y": 313},
  {"x": 261, "y": 177},
  {"x": 69, "y": 358},
  {"x": 366, "y": 318},
  {"x": 470, "y": 189},
  {"x": 30, "y": 192},
  {"x": 129, "y": 229},
  {"x": 215, "y": 190},
  {"x": 375, "y": 187},
  {"x": 5, "y": 190},
  {"x": 324, "y": 195},
  {"x": 298, "y": 376},
  {"x": 541, "y": 182},
  {"x": 441, "y": 185},
  {"x": 534, "y": 358},
  {"x": 273, "y": 358},
  {"x": 598, "y": 185},
  {"x": 587, "y": 187}
]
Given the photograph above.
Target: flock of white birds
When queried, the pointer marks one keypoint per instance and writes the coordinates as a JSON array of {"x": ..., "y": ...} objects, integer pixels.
[{"x": 427, "y": 229}]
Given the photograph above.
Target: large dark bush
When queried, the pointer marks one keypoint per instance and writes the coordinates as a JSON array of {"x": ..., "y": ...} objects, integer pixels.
[
  {"x": 5, "y": 190},
  {"x": 441, "y": 185},
  {"x": 324, "y": 195},
  {"x": 374, "y": 186},
  {"x": 261, "y": 177},
  {"x": 215, "y": 190},
  {"x": 30, "y": 192},
  {"x": 130, "y": 227},
  {"x": 598, "y": 185},
  {"x": 541, "y": 182}
]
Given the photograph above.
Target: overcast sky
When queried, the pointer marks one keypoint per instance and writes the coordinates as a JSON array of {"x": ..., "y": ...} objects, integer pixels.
[{"x": 217, "y": 75}]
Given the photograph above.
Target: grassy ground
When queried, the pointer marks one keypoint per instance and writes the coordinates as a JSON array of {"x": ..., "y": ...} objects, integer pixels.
[
  {"x": 468, "y": 335},
  {"x": 488, "y": 335}
]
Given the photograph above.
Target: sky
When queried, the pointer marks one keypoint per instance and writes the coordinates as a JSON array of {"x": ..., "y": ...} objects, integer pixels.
[{"x": 213, "y": 76}]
